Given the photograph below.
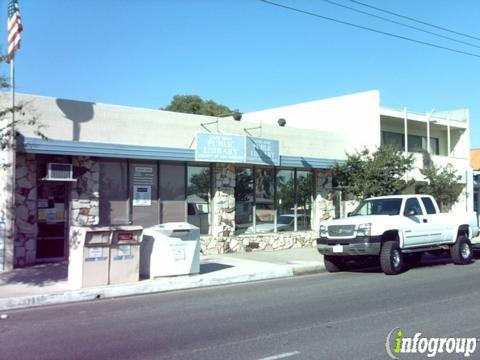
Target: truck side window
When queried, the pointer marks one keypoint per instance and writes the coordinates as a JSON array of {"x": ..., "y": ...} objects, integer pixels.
[
  {"x": 428, "y": 203},
  {"x": 412, "y": 204}
]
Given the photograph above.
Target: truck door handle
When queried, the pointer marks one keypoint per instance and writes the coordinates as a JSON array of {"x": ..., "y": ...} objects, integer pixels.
[{"x": 425, "y": 220}]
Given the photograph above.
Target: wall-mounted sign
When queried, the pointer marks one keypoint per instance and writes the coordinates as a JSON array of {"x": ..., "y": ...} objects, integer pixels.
[
  {"x": 143, "y": 175},
  {"x": 220, "y": 148},
  {"x": 262, "y": 151},
  {"x": 236, "y": 149},
  {"x": 142, "y": 195}
]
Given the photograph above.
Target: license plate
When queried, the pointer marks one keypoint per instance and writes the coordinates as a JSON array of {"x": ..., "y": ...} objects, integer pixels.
[{"x": 338, "y": 249}]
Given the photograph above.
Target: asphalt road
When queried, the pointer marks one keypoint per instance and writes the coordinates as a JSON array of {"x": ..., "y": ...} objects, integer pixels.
[{"x": 325, "y": 316}]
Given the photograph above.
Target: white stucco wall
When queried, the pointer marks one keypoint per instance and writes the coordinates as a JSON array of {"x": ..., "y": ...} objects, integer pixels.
[
  {"x": 83, "y": 121},
  {"x": 355, "y": 116}
]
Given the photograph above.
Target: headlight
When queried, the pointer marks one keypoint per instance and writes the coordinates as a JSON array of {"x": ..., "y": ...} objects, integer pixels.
[
  {"x": 364, "y": 229},
  {"x": 323, "y": 230}
]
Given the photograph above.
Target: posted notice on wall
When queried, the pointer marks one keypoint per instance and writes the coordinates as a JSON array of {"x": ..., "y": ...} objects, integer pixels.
[{"x": 142, "y": 195}]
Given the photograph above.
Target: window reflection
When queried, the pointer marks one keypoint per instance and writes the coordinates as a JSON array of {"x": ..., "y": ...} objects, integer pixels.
[
  {"x": 304, "y": 199},
  {"x": 198, "y": 195},
  {"x": 285, "y": 200},
  {"x": 243, "y": 199},
  {"x": 264, "y": 196}
]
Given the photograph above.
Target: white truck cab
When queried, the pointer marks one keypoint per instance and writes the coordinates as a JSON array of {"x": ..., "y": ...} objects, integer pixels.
[{"x": 396, "y": 228}]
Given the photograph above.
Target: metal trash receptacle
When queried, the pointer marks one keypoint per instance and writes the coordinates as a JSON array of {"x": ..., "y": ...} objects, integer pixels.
[
  {"x": 125, "y": 254},
  {"x": 88, "y": 260},
  {"x": 170, "y": 249}
]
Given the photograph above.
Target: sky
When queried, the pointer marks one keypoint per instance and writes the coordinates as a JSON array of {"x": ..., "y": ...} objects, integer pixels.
[{"x": 247, "y": 54}]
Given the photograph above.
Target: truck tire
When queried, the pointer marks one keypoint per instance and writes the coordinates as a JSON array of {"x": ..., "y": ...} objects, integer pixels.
[
  {"x": 333, "y": 263},
  {"x": 461, "y": 251},
  {"x": 391, "y": 258}
]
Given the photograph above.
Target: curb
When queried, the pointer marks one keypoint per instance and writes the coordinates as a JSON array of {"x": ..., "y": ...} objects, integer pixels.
[{"x": 141, "y": 288}]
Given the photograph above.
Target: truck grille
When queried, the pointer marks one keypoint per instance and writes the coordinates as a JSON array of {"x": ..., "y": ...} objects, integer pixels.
[{"x": 341, "y": 230}]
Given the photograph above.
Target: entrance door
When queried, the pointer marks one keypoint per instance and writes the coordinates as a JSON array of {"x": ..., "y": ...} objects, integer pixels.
[{"x": 52, "y": 221}]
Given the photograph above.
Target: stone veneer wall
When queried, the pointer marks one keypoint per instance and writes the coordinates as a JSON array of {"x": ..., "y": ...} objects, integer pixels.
[
  {"x": 223, "y": 224},
  {"x": 323, "y": 184},
  {"x": 85, "y": 193},
  {"x": 262, "y": 242},
  {"x": 26, "y": 210}
]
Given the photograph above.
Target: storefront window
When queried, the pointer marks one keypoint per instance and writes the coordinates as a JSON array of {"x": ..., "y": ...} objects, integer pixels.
[
  {"x": 172, "y": 192},
  {"x": 198, "y": 196},
  {"x": 264, "y": 197},
  {"x": 114, "y": 197},
  {"x": 243, "y": 199},
  {"x": 304, "y": 199},
  {"x": 285, "y": 200}
]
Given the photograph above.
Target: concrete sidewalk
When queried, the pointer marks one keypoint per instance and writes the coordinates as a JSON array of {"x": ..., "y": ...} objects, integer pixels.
[{"x": 47, "y": 284}]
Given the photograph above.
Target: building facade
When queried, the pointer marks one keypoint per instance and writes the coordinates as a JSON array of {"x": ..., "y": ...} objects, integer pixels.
[{"x": 261, "y": 183}]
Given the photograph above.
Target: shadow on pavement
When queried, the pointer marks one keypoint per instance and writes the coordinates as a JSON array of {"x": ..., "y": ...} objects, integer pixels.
[
  {"x": 428, "y": 260},
  {"x": 212, "y": 267},
  {"x": 39, "y": 275}
]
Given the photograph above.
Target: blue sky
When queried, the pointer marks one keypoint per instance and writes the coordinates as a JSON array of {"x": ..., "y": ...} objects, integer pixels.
[{"x": 245, "y": 54}]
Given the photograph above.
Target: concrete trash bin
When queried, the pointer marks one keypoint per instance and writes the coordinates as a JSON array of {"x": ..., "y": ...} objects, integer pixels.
[
  {"x": 125, "y": 254},
  {"x": 170, "y": 249},
  {"x": 89, "y": 256}
]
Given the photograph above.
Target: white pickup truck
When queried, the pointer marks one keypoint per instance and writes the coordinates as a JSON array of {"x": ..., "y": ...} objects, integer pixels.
[{"x": 396, "y": 228}]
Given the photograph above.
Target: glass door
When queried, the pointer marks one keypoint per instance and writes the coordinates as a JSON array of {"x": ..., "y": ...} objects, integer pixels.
[{"x": 52, "y": 221}]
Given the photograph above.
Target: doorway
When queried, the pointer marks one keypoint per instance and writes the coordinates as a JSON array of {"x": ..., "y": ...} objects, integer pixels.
[{"x": 52, "y": 221}]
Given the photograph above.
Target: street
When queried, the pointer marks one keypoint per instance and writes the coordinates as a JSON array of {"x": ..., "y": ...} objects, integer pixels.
[{"x": 326, "y": 316}]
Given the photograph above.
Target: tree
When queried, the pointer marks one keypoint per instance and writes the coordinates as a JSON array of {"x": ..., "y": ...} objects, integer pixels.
[
  {"x": 443, "y": 183},
  {"x": 366, "y": 174},
  {"x": 24, "y": 116},
  {"x": 194, "y": 104}
]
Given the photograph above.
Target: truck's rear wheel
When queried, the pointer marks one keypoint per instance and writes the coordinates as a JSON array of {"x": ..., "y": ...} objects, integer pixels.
[
  {"x": 461, "y": 251},
  {"x": 391, "y": 258},
  {"x": 333, "y": 263}
]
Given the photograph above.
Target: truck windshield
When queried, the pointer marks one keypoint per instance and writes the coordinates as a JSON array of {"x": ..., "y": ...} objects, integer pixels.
[{"x": 389, "y": 206}]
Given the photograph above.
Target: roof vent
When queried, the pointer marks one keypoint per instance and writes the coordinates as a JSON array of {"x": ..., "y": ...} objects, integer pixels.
[{"x": 59, "y": 172}]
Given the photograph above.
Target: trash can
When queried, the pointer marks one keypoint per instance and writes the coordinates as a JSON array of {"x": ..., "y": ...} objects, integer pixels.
[
  {"x": 125, "y": 254},
  {"x": 170, "y": 249},
  {"x": 89, "y": 256}
]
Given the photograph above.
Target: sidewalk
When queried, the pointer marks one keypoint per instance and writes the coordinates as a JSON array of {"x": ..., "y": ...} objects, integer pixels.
[{"x": 47, "y": 284}]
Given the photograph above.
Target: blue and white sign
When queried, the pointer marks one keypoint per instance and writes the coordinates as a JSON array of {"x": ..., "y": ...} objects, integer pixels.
[
  {"x": 220, "y": 148},
  {"x": 237, "y": 149},
  {"x": 262, "y": 151}
]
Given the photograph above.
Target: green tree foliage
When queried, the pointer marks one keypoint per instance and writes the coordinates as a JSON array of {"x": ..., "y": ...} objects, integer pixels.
[
  {"x": 194, "y": 104},
  {"x": 200, "y": 184},
  {"x": 443, "y": 183},
  {"x": 366, "y": 174}
]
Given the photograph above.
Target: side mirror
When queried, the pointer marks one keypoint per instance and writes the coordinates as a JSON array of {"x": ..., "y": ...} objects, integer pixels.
[{"x": 349, "y": 214}]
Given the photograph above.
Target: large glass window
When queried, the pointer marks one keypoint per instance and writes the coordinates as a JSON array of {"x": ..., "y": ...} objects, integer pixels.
[
  {"x": 285, "y": 200},
  {"x": 243, "y": 199},
  {"x": 395, "y": 139},
  {"x": 198, "y": 196},
  {"x": 114, "y": 198},
  {"x": 172, "y": 192},
  {"x": 416, "y": 143},
  {"x": 304, "y": 199},
  {"x": 264, "y": 197}
]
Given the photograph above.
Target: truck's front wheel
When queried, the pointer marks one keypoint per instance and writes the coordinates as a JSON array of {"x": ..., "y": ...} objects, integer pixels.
[
  {"x": 333, "y": 263},
  {"x": 461, "y": 251},
  {"x": 391, "y": 258}
]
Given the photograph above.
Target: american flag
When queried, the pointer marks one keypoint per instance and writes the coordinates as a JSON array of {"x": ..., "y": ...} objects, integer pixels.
[{"x": 15, "y": 27}]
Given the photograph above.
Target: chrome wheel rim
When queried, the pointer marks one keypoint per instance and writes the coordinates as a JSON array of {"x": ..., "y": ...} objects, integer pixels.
[
  {"x": 396, "y": 258},
  {"x": 465, "y": 251}
]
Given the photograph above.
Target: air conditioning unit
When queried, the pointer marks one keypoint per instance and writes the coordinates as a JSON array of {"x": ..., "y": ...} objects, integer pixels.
[{"x": 59, "y": 172}]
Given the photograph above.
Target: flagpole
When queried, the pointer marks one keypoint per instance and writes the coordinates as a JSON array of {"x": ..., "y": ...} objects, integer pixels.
[{"x": 9, "y": 246}]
